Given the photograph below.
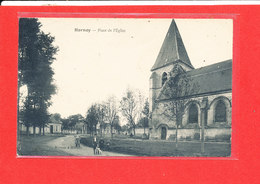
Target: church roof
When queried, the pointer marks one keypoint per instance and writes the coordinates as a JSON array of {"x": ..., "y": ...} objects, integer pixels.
[
  {"x": 172, "y": 49},
  {"x": 207, "y": 80},
  {"x": 213, "y": 78}
]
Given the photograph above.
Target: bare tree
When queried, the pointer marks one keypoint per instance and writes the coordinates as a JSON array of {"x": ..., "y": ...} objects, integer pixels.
[
  {"x": 116, "y": 125},
  {"x": 101, "y": 114},
  {"x": 111, "y": 112},
  {"x": 176, "y": 88},
  {"x": 129, "y": 108}
]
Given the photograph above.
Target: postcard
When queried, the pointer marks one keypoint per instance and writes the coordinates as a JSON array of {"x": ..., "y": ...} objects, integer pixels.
[{"x": 125, "y": 87}]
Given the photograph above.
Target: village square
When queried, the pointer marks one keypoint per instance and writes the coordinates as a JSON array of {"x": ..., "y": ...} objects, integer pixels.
[{"x": 186, "y": 111}]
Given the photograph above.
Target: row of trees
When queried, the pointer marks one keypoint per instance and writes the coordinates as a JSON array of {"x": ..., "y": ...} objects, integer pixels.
[
  {"x": 36, "y": 54},
  {"x": 132, "y": 107}
]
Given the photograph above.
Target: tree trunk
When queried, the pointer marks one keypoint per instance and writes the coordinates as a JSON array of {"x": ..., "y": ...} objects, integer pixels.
[
  {"x": 176, "y": 135},
  {"x": 40, "y": 130},
  {"x": 34, "y": 130},
  {"x": 111, "y": 130},
  {"x": 178, "y": 122},
  {"x": 43, "y": 131},
  {"x": 134, "y": 130},
  {"x": 101, "y": 130}
]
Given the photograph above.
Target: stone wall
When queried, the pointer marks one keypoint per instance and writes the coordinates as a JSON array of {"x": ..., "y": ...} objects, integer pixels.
[{"x": 193, "y": 134}]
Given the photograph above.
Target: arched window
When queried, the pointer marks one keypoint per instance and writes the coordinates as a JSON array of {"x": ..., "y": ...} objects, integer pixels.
[
  {"x": 164, "y": 78},
  {"x": 220, "y": 112},
  {"x": 193, "y": 114}
]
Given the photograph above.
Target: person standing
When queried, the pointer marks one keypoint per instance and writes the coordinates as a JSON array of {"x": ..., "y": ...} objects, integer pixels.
[{"x": 94, "y": 143}]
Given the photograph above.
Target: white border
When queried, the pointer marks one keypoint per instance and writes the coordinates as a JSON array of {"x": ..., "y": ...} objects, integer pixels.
[{"x": 99, "y": 3}]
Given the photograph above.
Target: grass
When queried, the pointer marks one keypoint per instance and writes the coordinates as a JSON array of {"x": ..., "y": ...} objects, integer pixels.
[
  {"x": 164, "y": 148},
  {"x": 37, "y": 146}
]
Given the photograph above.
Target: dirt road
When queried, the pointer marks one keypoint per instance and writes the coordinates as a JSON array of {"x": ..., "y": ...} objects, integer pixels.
[{"x": 67, "y": 144}]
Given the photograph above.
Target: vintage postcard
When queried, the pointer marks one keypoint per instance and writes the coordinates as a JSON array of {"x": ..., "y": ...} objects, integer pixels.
[{"x": 125, "y": 87}]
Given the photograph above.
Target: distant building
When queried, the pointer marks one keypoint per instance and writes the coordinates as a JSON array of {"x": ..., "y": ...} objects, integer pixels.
[
  {"x": 211, "y": 102},
  {"x": 54, "y": 126}
]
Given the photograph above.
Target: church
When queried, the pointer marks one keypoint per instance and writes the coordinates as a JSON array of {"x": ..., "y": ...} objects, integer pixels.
[{"x": 184, "y": 99}]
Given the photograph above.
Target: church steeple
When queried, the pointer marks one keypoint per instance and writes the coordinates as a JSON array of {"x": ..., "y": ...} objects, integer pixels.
[{"x": 172, "y": 49}]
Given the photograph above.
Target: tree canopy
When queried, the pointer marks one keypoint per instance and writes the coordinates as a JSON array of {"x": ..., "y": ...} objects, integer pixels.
[{"x": 36, "y": 54}]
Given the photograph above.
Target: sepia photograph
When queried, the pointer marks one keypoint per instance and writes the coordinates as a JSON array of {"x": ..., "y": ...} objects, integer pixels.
[{"x": 125, "y": 87}]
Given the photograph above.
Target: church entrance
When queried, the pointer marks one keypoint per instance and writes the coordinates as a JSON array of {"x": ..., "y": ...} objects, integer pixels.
[{"x": 163, "y": 133}]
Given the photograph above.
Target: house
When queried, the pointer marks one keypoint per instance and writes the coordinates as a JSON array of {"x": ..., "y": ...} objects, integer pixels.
[{"x": 54, "y": 126}]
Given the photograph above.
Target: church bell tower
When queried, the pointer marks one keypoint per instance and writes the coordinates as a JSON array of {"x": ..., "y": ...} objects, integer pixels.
[{"x": 172, "y": 52}]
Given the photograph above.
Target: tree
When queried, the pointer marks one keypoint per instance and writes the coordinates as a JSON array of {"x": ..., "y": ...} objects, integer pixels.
[
  {"x": 101, "y": 115},
  {"x": 111, "y": 112},
  {"x": 116, "y": 124},
  {"x": 27, "y": 114},
  {"x": 146, "y": 114},
  {"x": 125, "y": 128},
  {"x": 36, "y": 54},
  {"x": 143, "y": 123},
  {"x": 74, "y": 119},
  {"x": 65, "y": 123},
  {"x": 178, "y": 86},
  {"x": 92, "y": 119},
  {"x": 129, "y": 108},
  {"x": 57, "y": 117}
]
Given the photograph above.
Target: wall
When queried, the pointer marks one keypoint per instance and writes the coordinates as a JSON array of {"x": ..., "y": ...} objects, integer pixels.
[
  {"x": 186, "y": 130},
  {"x": 184, "y": 133},
  {"x": 56, "y": 128},
  {"x": 140, "y": 131}
]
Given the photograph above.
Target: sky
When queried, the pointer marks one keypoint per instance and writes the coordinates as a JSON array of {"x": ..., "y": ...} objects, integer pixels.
[{"x": 99, "y": 58}]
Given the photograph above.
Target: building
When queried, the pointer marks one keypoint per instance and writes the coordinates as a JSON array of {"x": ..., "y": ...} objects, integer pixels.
[
  {"x": 194, "y": 96},
  {"x": 53, "y": 127}
]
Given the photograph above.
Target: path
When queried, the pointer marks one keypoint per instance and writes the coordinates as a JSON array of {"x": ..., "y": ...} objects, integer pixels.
[{"x": 67, "y": 144}]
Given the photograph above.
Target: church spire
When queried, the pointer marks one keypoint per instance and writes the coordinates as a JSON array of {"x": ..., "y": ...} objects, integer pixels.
[{"x": 172, "y": 49}]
